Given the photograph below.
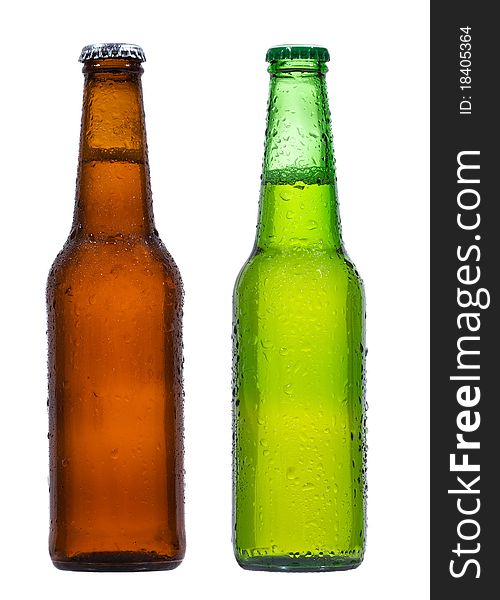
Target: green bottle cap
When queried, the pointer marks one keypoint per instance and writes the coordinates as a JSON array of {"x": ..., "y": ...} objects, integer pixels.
[{"x": 288, "y": 52}]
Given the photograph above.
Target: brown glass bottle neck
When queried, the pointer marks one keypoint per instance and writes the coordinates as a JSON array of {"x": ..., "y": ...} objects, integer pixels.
[{"x": 113, "y": 196}]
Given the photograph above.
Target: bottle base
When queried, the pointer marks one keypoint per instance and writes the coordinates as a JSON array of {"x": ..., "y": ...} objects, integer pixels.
[
  {"x": 301, "y": 564},
  {"x": 117, "y": 561}
]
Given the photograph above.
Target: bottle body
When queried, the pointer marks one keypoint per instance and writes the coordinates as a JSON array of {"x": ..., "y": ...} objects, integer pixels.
[
  {"x": 299, "y": 429},
  {"x": 115, "y": 407},
  {"x": 114, "y": 298}
]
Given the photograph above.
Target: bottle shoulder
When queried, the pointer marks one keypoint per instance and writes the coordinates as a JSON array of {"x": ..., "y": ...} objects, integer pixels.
[
  {"x": 130, "y": 259},
  {"x": 286, "y": 277},
  {"x": 332, "y": 263},
  {"x": 298, "y": 286}
]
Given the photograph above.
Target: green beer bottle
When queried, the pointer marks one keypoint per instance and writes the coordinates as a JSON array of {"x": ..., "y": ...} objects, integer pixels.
[{"x": 298, "y": 381}]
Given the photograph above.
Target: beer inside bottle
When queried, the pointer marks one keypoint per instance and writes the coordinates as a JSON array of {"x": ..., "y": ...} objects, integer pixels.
[
  {"x": 298, "y": 384},
  {"x": 114, "y": 299}
]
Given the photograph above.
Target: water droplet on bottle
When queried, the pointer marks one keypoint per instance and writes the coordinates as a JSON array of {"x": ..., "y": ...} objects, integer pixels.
[{"x": 114, "y": 453}]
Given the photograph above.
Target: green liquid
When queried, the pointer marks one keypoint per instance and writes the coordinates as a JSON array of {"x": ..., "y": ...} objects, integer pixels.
[{"x": 299, "y": 434}]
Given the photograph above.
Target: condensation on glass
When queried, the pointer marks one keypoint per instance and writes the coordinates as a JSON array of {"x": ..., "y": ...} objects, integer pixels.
[
  {"x": 114, "y": 300},
  {"x": 299, "y": 348}
]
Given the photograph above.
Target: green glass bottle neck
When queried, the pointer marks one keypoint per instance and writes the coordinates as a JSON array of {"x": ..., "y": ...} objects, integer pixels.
[{"x": 298, "y": 205}]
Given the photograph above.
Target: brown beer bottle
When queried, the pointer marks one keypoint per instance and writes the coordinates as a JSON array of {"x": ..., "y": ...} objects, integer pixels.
[{"x": 114, "y": 298}]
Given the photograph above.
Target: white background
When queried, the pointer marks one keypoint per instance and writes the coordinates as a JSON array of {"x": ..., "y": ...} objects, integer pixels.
[{"x": 205, "y": 87}]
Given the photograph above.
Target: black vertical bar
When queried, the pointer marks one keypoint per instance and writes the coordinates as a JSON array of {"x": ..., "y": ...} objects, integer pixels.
[{"x": 465, "y": 269}]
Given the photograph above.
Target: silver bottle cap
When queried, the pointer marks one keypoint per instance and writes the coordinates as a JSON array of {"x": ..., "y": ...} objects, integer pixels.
[{"x": 100, "y": 51}]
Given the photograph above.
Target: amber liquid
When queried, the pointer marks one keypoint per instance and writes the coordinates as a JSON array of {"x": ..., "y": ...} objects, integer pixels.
[{"x": 115, "y": 371}]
